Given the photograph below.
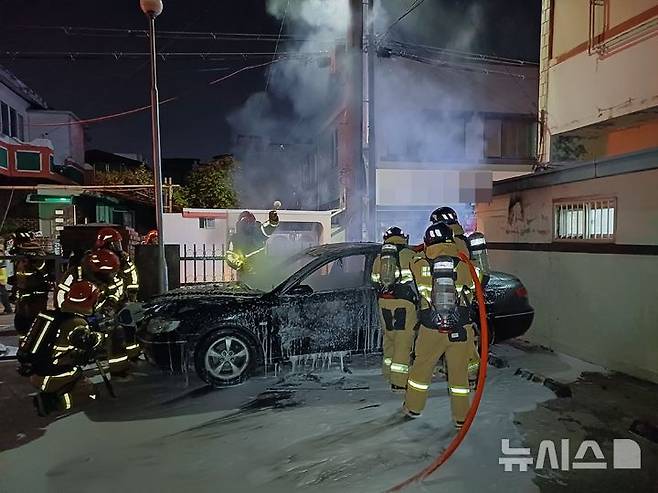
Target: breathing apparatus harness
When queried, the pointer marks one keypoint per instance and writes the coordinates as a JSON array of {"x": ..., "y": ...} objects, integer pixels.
[{"x": 391, "y": 279}]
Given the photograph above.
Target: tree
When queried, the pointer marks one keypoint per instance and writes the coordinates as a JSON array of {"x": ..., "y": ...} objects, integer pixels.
[
  {"x": 210, "y": 186},
  {"x": 136, "y": 176}
]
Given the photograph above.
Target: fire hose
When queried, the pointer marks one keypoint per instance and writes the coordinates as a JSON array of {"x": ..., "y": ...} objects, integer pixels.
[{"x": 482, "y": 374}]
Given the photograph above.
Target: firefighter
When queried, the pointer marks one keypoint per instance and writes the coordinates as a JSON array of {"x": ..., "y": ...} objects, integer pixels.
[
  {"x": 448, "y": 216},
  {"x": 247, "y": 245},
  {"x": 444, "y": 317},
  {"x": 30, "y": 281},
  {"x": 58, "y": 344},
  {"x": 110, "y": 239},
  {"x": 102, "y": 267},
  {"x": 397, "y": 305}
]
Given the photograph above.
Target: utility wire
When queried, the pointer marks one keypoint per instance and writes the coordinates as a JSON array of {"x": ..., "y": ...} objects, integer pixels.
[
  {"x": 146, "y": 107},
  {"x": 464, "y": 54},
  {"x": 143, "y": 33},
  {"x": 416, "y": 4},
  {"x": 276, "y": 46},
  {"x": 118, "y": 55}
]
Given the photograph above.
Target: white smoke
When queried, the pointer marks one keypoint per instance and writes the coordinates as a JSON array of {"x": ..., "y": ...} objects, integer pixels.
[{"x": 301, "y": 89}]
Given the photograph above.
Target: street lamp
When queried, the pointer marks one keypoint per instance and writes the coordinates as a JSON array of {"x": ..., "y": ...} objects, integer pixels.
[{"x": 152, "y": 9}]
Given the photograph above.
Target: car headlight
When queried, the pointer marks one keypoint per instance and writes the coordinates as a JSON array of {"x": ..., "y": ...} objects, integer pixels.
[{"x": 161, "y": 326}]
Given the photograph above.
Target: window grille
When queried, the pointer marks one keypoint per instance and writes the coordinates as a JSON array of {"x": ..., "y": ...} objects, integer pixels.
[{"x": 589, "y": 220}]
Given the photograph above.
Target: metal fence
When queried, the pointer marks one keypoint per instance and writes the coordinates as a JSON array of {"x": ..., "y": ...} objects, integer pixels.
[{"x": 204, "y": 263}]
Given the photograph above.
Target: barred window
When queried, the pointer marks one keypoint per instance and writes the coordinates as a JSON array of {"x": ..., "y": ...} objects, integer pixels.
[{"x": 589, "y": 220}]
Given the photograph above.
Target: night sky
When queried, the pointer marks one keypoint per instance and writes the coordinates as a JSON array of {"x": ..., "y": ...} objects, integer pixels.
[{"x": 195, "y": 125}]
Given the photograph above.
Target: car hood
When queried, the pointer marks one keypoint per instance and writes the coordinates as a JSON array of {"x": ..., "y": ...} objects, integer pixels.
[{"x": 214, "y": 290}]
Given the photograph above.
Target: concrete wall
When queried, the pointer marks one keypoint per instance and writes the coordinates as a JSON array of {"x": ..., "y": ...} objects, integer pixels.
[
  {"x": 595, "y": 306},
  {"x": 621, "y": 78}
]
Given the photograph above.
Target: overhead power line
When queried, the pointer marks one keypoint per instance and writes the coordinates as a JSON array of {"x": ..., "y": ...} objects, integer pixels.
[
  {"x": 466, "y": 55},
  {"x": 163, "y": 55},
  {"x": 101, "y": 32},
  {"x": 132, "y": 111},
  {"x": 413, "y": 7}
]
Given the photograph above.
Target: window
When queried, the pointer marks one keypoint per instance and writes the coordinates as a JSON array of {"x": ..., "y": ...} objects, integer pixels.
[
  {"x": 512, "y": 138},
  {"x": 52, "y": 163},
  {"x": 13, "y": 123},
  {"x": 343, "y": 273},
  {"x": 207, "y": 223},
  {"x": 4, "y": 113},
  {"x": 590, "y": 220},
  {"x": 4, "y": 158},
  {"x": 308, "y": 173},
  {"x": 28, "y": 161},
  {"x": 21, "y": 128}
]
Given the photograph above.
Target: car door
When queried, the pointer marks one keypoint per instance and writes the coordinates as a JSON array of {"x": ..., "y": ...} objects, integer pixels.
[{"x": 327, "y": 310}]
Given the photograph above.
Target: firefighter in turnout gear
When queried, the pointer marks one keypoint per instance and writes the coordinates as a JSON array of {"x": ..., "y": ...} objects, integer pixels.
[
  {"x": 397, "y": 305},
  {"x": 110, "y": 239},
  {"x": 444, "y": 317},
  {"x": 448, "y": 216},
  {"x": 102, "y": 267},
  {"x": 247, "y": 244},
  {"x": 30, "y": 282},
  {"x": 58, "y": 344}
]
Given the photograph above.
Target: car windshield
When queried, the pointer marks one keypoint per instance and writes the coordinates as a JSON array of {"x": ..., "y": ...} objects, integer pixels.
[{"x": 269, "y": 275}]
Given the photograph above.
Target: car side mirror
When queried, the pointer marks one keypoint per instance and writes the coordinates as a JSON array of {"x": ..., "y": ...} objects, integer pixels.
[{"x": 301, "y": 290}]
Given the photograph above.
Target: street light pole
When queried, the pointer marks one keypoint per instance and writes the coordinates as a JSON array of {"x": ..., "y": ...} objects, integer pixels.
[{"x": 153, "y": 8}]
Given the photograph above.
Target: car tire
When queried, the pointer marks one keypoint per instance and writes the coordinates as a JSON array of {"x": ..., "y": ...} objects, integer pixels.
[{"x": 225, "y": 357}]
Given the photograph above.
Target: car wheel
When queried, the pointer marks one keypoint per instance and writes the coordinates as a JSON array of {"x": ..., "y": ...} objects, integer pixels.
[{"x": 224, "y": 358}]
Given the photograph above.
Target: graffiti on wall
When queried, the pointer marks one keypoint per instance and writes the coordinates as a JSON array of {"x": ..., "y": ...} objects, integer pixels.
[{"x": 522, "y": 220}]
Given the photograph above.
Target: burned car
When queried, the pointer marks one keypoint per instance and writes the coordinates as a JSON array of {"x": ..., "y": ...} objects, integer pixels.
[{"x": 319, "y": 302}]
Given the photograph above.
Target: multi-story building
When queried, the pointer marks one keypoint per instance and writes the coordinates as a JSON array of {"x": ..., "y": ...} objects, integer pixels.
[
  {"x": 583, "y": 233},
  {"x": 445, "y": 130},
  {"x": 36, "y": 144},
  {"x": 598, "y": 79}
]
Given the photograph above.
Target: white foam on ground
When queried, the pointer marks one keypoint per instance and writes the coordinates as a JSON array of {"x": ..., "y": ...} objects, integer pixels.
[{"x": 331, "y": 442}]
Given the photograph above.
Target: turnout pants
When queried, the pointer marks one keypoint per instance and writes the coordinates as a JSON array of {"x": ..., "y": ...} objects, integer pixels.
[
  {"x": 430, "y": 346},
  {"x": 69, "y": 387},
  {"x": 398, "y": 320},
  {"x": 117, "y": 353},
  {"x": 474, "y": 359}
]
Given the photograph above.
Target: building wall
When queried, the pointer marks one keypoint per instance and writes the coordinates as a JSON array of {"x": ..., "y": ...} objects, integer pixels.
[
  {"x": 10, "y": 98},
  {"x": 590, "y": 79},
  {"x": 641, "y": 136},
  {"x": 596, "y": 306},
  {"x": 68, "y": 140}
]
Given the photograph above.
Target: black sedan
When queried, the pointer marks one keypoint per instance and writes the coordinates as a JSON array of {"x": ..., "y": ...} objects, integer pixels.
[{"x": 316, "y": 304}]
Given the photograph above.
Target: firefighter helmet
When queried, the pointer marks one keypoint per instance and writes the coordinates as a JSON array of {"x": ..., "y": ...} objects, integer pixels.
[
  {"x": 438, "y": 233},
  {"x": 445, "y": 215},
  {"x": 102, "y": 264},
  {"x": 395, "y": 232},
  {"x": 109, "y": 238},
  {"x": 246, "y": 217},
  {"x": 151, "y": 237},
  {"x": 81, "y": 298}
]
